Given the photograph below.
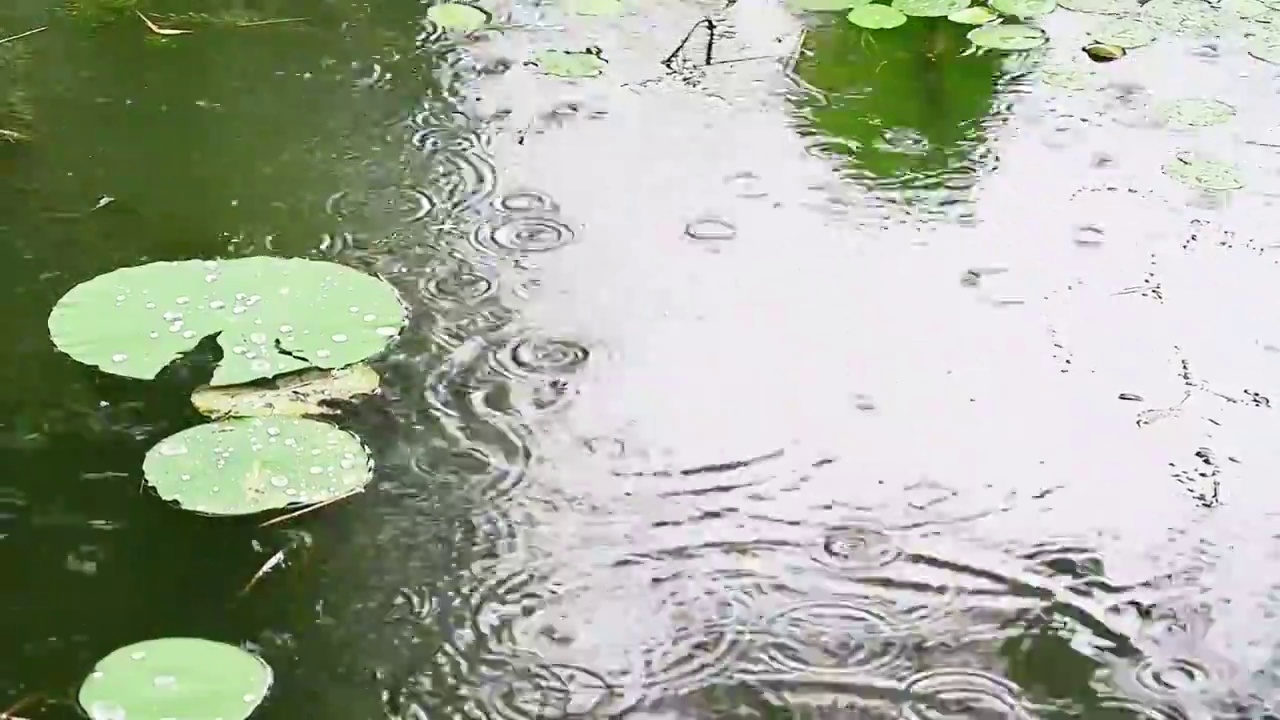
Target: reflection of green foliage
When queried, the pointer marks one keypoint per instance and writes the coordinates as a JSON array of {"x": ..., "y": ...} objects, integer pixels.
[{"x": 910, "y": 83}]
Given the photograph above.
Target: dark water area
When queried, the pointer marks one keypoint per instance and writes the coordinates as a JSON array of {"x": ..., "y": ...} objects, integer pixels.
[{"x": 784, "y": 370}]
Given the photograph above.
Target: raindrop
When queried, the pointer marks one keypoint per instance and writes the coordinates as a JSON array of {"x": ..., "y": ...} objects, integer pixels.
[
  {"x": 106, "y": 710},
  {"x": 260, "y": 366},
  {"x": 165, "y": 681},
  {"x": 170, "y": 450},
  {"x": 370, "y": 317},
  {"x": 153, "y": 335},
  {"x": 119, "y": 357},
  {"x": 170, "y": 316},
  {"x": 175, "y": 327},
  {"x": 524, "y": 234},
  {"x": 183, "y": 300},
  {"x": 248, "y": 698},
  {"x": 526, "y": 201},
  {"x": 947, "y": 693},
  {"x": 211, "y": 264},
  {"x": 323, "y": 353},
  {"x": 339, "y": 338},
  {"x": 711, "y": 228},
  {"x": 546, "y": 356},
  {"x": 464, "y": 287},
  {"x": 858, "y": 547},
  {"x": 258, "y": 338},
  {"x": 315, "y": 470},
  {"x": 150, "y": 306},
  {"x": 833, "y": 636},
  {"x": 188, "y": 334},
  {"x": 239, "y": 349},
  {"x": 210, "y": 277},
  {"x": 353, "y": 309},
  {"x": 279, "y": 481},
  {"x": 387, "y": 331},
  {"x": 273, "y": 431},
  {"x": 140, "y": 654},
  {"x": 120, "y": 298},
  {"x": 286, "y": 328},
  {"x": 238, "y": 310}
]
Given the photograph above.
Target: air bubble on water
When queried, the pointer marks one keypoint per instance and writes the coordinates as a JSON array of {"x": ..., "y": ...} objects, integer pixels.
[
  {"x": 339, "y": 338},
  {"x": 172, "y": 449},
  {"x": 315, "y": 470},
  {"x": 286, "y": 328},
  {"x": 106, "y": 710},
  {"x": 165, "y": 681},
  {"x": 258, "y": 338},
  {"x": 217, "y": 305},
  {"x": 386, "y": 331},
  {"x": 183, "y": 300},
  {"x": 188, "y": 334},
  {"x": 370, "y": 317},
  {"x": 239, "y": 349},
  {"x": 322, "y": 353},
  {"x": 279, "y": 481},
  {"x": 119, "y": 357}
]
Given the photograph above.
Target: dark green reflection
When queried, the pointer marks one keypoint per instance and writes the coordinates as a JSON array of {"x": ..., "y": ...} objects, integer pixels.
[{"x": 905, "y": 105}]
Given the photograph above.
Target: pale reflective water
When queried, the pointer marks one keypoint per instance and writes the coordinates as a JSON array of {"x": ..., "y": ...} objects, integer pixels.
[{"x": 823, "y": 379}]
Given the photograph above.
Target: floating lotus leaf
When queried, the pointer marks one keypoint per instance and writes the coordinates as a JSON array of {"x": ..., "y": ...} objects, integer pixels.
[
  {"x": 593, "y": 7},
  {"x": 304, "y": 393},
  {"x": 457, "y": 17},
  {"x": 1191, "y": 169},
  {"x": 185, "y": 678},
  {"x": 1196, "y": 112},
  {"x": 876, "y": 17},
  {"x": 977, "y": 15},
  {"x": 1101, "y": 7},
  {"x": 1024, "y": 8},
  {"x": 1008, "y": 37},
  {"x": 563, "y": 63},
  {"x": 929, "y": 8},
  {"x": 825, "y": 5},
  {"x": 248, "y": 465},
  {"x": 272, "y": 316},
  {"x": 1126, "y": 33}
]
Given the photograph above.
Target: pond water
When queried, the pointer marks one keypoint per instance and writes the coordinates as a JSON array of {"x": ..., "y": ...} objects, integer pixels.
[{"x": 782, "y": 368}]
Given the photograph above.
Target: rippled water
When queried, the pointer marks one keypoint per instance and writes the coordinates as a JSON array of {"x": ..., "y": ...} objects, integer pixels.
[{"x": 774, "y": 385}]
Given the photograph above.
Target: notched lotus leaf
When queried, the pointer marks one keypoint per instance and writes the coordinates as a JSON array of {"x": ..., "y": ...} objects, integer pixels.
[
  {"x": 876, "y": 17},
  {"x": 272, "y": 316},
  {"x": 1205, "y": 173},
  {"x": 457, "y": 17},
  {"x": 1007, "y": 37},
  {"x": 181, "y": 677},
  {"x": 310, "y": 392},
  {"x": 248, "y": 465},
  {"x": 929, "y": 8},
  {"x": 563, "y": 63}
]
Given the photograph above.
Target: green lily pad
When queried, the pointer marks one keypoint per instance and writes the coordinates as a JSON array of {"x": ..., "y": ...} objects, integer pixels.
[
  {"x": 304, "y": 393},
  {"x": 825, "y": 5},
  {"x": 593, "y": 7},
  {"x": 456, "y": 17},
  {"x": 187, "y": 678},
  {"x": 1125, "y": 32},
  {"x": 248, "y": 465},
  {"x": 1191, "y": 169},
  {"x": 1102, "y": 52},
  {"x": 1024, "y": 8},
  {"x": 929, "y": 8},
  {"x": 1195, "y": 112},
  {"x": 977, "y": 15},
  {"x": 563, "y": 63},
  {"x": 272, "y": 316},
  {"x": 876, "y": 17},
  {"x": 1007, "y": 37}
]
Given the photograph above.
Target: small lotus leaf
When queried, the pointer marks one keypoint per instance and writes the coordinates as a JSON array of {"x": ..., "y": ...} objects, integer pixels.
[
  {"x": 1024, "y": 8},
  {"x": 304, "y": 393},
  {"x": 186, "y": 678},
  {"x": 248, "y": 465},
  {"x": 563, "y": 63},
  {"x": 1102, "y": 52},
  {"x": 1191, "y": 169},
  {"x": 457, "y": 17},
  {"x": 976, "y": 15},
  {"x": 1124, "y": 32},
  {"x": 929, "y": 8},
  {"x": 272, "y": 316},
  {"x": 593, "y": 7},
  {"x": 1101, "y": 7},
  {"x": 876, "y": 17},
  {"x": 1195, "y": 112},
  {"x": 1007, "y": 37},
  {"x": 825, "y": 5}
]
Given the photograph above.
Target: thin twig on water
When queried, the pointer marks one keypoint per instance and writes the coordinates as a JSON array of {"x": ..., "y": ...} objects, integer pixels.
[
  {"x": 272, "y": 563},
  {"x": 273, "y": 21},
  {"x": 309, "y": 508},
  {"x": 160, "y": 30},
  {"x": 19, "y": 36}
]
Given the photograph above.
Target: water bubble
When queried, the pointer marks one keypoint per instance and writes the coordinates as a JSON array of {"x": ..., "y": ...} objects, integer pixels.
[
  {"x": 106, "y": 710},
  {"x": 711, "y": 228},
  {"x": 120, "y": 298},
  {"x": 150, "y": 306},
  {"x": 239, "y": 349},
  {"x": 524, "y": 234},
  {"x": 217, "y": 305},
  {"x": 456, "y": 287},
  {"x": 353, "y": 309},
  {"x": 119, "y": 357},
  {"x": 97, "y": 675},
  {"x": 210, "y": 277},
  {"x": 279, "y": 481},
  {"x": 339, "y": 338},
  {"x": 153, "y": 334},
  {"x": 183, "y": 300},
  {"x": 249, "y": 698}
]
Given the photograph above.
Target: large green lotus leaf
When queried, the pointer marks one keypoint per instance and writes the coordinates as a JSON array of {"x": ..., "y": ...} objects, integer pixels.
[
  {"x": 1008, "y": 37},
  {"x": 272, "y": 316},
  {"x": 304, "y": 393},
  {"x": 187, "y": 678},
  {"x": 929, "y": 8},
  {"x": 248, "y": 465},
  {"x": 1127, "y": 33},
  {"x": 876, "y": 17},
  {"x": 457, "y": 17}
]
